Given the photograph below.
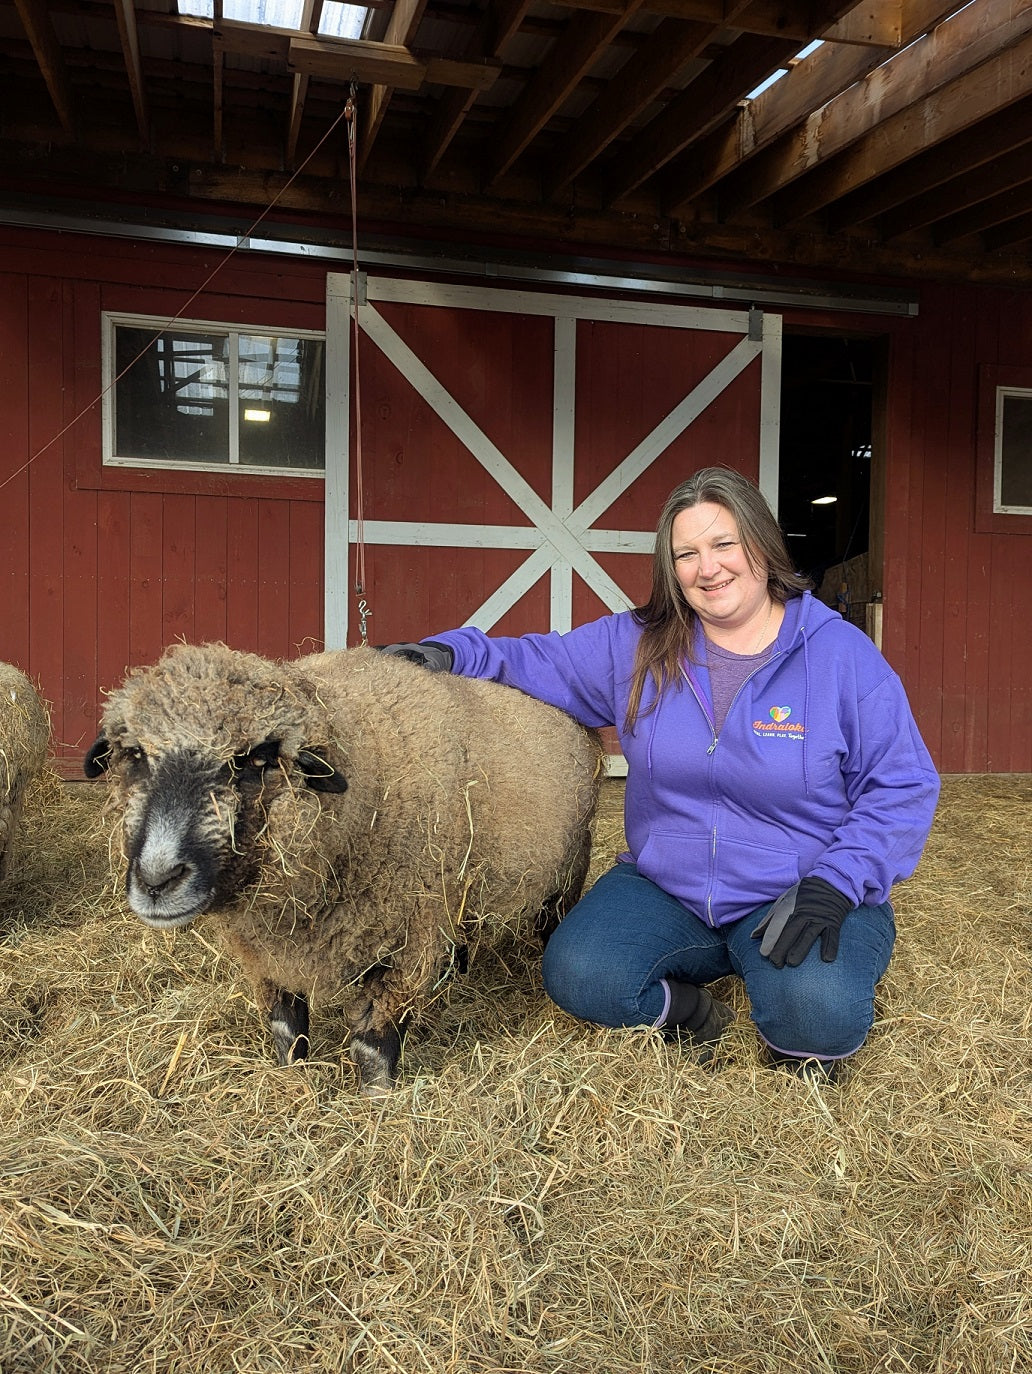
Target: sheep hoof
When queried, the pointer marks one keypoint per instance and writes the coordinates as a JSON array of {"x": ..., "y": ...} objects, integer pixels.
[
  {"x": 288, "y": 1022},
  {"x": 375, "y": 1056}
]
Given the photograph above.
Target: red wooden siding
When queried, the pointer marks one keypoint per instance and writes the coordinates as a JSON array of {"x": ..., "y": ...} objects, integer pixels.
[{"x": 101, "y": 568}]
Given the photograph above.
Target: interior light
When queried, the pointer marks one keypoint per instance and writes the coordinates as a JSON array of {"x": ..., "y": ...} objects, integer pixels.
[
  {"x": 823, "y": 500},
  {"x": 264, "y": 416}
]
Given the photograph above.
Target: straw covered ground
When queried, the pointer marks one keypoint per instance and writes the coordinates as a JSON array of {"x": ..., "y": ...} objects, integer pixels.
[{"x": 538, "y": 1195}]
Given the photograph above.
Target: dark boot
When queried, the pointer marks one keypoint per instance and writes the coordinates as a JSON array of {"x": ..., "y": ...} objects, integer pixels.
[
  {"x": 695, "y": 1020},
  {"x": 817, "y": 1070}
]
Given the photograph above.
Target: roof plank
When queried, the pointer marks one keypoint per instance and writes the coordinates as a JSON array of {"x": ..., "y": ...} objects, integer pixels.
[
  {"x": 973, "y": 36},
  {"x": 571, "y": 58},
  {"x": 809, "y": 86},
  {"x": 39, "y": 30},
  {"x": 978, "y": 95}
]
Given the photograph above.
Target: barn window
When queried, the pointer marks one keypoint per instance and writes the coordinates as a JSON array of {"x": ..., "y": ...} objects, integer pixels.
[
  {"x": 213, "y": 397},
  {"x": 1012, "y": 468}
]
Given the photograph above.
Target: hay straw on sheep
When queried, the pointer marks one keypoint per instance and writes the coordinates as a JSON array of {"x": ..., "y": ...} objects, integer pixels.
[{"x": 537, "y": 1195}]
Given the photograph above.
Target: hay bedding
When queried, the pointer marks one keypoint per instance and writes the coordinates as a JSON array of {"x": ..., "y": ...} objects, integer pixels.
[{"x": 537, "y": 1196}]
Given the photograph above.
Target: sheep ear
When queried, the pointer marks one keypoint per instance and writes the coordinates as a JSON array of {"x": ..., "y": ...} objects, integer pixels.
[
  {"x": 98, "y": 758},
  {"x": 320, "y": 775}
]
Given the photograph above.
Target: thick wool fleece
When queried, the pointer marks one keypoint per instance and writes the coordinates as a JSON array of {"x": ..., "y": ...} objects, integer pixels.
[
  {"x": 466, "y": 803},
  {"x": 24, "y": 739}
]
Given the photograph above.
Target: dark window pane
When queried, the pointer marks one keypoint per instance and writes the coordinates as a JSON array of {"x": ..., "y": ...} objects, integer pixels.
[
  {"x": 282, "y": 408},
  {"x": 1016, "y": 452},
  {"x": 172, "y": 402}
]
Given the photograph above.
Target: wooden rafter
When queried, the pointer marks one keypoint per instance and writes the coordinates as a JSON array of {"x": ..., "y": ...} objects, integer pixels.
[
  {"x": 973, "y": 36},
  {"x": 965, "y": 191},
  {"x": 987, "y": 216},
  {"x": 356, "y": 59},
  {"x": 878, "y": 22},
  {"x": 586, "y": 37},
  {"x": 401, "y": 28},
  {"x": 674, "y": 44},
  {"x": 808, "y": 86},
  {"x": 218, "y": 67},
  {"x": 1009, "y": 234},
  {"x": 497, "y": 25},
  {"x": 706, "y": 103},
  {"x": 47, "y": 50},
  {"x": 980, "y": 94},
  {"x": 311, "y": 16},
  {"x": 994, "y": 137},
  {"x": 125, "y": 14}
]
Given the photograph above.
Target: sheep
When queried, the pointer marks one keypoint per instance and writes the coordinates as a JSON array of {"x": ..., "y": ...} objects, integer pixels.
[
  {"x": 350, "y": 821},
  {"x": 24, "y": 740}
]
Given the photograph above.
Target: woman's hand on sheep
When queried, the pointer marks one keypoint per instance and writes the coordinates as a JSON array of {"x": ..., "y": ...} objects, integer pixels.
[{"x": 429, "y": 654}]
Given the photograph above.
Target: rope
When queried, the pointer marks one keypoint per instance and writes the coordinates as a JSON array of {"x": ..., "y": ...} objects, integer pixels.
[
  {"x": 182, "y": 310},
  {"x": 351, "y": 114}
]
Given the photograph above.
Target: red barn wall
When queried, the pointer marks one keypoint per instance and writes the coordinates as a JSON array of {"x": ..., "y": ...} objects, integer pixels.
[{"x": 101, "y": 568}]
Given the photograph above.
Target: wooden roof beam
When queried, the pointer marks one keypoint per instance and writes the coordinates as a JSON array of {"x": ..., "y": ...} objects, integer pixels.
[
  {"x": 981, "y": 94},
  {"x": 498, "y": 23},
  {"x": 128, "y": 33},
  {"x": 311, "y": 17},
  {"x": 356, "y": 59},
  {"x": 47, "y": 50},
  {"x": 877, "y": 24},
  {"x": 994, "y": 137},
  {"x": 704, "y": 104},
  {"x": 218, "y": 67},
  {"x": 965, "y": 191},
  {"x": 401, "y": 28},
  {"x": 971, "y": 38},
  {"x": 571, "y": 58},
  {"x": 988, "y": 219},
  {"x": 1010, "y": 234},
  {"x": 646, "y": 74},
  {"x": 809, "y": 86}
]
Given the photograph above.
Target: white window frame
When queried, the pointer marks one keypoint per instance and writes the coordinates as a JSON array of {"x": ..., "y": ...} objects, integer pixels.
[
  {"x": 113, "y": 319},
  {"x": 999, "y": 506}
]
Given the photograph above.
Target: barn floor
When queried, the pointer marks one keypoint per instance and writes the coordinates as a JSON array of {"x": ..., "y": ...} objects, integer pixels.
[{"x": 538, "y": 1195}]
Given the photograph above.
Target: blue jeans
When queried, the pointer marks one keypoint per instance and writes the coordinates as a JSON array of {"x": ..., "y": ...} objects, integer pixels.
[{"x": 607, "y": 959}]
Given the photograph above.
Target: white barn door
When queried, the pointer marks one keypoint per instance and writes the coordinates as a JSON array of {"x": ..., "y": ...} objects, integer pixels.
[{"x": 570, "y": 528}]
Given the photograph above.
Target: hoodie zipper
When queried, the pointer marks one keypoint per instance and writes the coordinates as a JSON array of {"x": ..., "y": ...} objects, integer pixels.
[{"x": 716, "y": 740}]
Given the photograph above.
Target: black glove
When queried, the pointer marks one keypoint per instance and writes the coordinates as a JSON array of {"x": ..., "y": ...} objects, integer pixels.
[
  {"x": 812, "y": 910},
  {"x": 429, "y": 654}
]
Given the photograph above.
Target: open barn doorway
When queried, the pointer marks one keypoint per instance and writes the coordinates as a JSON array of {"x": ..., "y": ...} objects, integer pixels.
[{"x": 828, "y": 481}]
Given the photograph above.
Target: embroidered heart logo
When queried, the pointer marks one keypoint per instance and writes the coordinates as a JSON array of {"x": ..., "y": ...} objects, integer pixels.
[{"x": 780, "y": 713}]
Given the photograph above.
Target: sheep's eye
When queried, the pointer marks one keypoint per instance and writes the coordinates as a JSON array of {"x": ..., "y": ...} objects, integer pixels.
[{"x": 256, "y": 761}]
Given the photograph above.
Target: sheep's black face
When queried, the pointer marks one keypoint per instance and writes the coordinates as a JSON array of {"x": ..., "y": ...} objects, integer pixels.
[{"x": 191, "y": 824}]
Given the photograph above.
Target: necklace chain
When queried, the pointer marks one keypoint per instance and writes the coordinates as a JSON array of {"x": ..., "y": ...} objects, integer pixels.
[{"x": 770, "y": 612}]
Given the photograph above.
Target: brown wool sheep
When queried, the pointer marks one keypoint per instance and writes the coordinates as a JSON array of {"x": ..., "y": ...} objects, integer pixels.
[
  {"x": 349, "y": 819},
  {"x": 24, "y": 740}
]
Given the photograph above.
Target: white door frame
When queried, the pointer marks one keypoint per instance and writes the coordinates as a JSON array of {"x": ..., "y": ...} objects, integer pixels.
[{"x": 561, "y": 538}]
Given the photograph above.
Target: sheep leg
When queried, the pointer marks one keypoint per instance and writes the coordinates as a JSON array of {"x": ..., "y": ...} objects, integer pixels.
[
  {"x": 558, "y": 903},
  {"x": 288, "y": 1021},
  {"x": 375, "y": 1055}
]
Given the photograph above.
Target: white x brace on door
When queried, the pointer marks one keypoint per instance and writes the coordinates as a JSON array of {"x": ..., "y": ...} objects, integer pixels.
[{"x": 561, "y": 538}]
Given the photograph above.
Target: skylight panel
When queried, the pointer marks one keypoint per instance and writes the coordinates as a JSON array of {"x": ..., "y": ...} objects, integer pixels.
[
  {"x": 783, "y": 71},
  {"x": 338, "y": 20},
  {"x": 342, "y": 21}
]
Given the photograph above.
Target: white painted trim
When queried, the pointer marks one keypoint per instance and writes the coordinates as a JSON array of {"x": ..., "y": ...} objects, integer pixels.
[
  {"x": 339, "y": 529},
  {"x": 770, "y": 411},
  {"x": 444, "y": 536},
  {"x": 512, "y": 302},
  {"x": 564, "y": 398}
]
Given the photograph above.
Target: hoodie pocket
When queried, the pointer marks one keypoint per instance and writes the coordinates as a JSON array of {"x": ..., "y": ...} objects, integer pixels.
[{"x": 717, "y": 880}]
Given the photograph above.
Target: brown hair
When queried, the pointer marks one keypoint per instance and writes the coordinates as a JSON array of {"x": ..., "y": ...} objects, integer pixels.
[{"x": 667, "y": 620}]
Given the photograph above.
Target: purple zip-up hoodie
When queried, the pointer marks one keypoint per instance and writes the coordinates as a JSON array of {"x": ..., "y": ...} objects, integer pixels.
[{"x": 818, "y": 770}]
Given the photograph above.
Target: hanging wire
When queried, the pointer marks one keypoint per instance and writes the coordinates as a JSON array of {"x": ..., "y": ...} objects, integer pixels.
[
  {"x": 182, "y": 310},
  {"x": 351, "y": 114}
]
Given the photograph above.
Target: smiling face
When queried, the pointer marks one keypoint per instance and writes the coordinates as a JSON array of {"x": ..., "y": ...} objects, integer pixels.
[{"x": 713, "y": 568}]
